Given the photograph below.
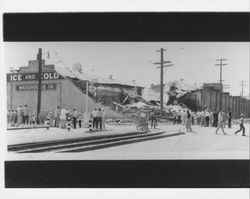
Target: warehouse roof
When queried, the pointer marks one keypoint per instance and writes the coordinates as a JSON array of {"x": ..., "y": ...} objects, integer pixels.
[{"x": 67, "y": 72}]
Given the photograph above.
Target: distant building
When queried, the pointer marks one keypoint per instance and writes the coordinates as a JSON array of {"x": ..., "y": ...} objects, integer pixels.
[
  {"x": 65, "y": 88},
  {"x": 209, "y": 96}
]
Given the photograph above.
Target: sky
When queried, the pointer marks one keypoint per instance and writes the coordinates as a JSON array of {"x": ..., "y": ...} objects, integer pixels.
[{"x": 194, "y": 62}]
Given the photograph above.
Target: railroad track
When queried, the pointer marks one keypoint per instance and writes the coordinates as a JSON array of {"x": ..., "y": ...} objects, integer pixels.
[{"x": 89, "y": 143}]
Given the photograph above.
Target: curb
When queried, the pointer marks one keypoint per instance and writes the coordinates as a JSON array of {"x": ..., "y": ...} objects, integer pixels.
[{"x": 21, "y": 128}]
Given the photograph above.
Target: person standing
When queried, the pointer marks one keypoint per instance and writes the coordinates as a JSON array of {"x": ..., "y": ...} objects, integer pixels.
[
  {"x": 188, "y": 122},
  {"x": 175, "y": 117},
  {"x": 94, "y": 115},
  {"x": 80, "y": 120},
  {"x": 241, "y": 125},
  {"x": 192, "y": 118},
  {"x": 103, "y": 119},
  {"x": 220, "y": 123},
  {"x": 203, "y": 119},
  {"x": 179, "y": 117},
  {"x": 229, "y": 117},
  {"x": 12, "y": 117},
  {"x": 25, "y": 114},
  {"x": 143, "y": 120},
  {"x": 63, "y": 118},
  {"x": 195, "y": 118},
  {"x": 42, "y": 117},
  {"x": 51, "y": 119},
  {"x": 15, "y": 117},
  {"x": 211, "y": 118},
  {"x": 183, "y": 117},
  {"x": 9, "y": 117},
  {"x": 154, "y": 120},
  {"x": 198, "y": 116},
  {"x": 57, "y": 116},
  {"x": 207, "y": 118},
  {"x": 19, "y": 115},
  {"x": 215, "y": 118},
  {"x": 75, "y": 116},
  {"x": 224, "y": 115},
  {"x": 99, "y": 119}
]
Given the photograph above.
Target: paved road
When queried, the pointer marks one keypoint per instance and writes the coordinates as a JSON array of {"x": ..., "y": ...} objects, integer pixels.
[{"x": 203, "y": 144}]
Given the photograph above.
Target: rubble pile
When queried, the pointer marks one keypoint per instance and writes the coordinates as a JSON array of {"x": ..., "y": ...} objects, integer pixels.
[
  {"x": 150, "y": 100},
  {"x": 140, "y": 104}
]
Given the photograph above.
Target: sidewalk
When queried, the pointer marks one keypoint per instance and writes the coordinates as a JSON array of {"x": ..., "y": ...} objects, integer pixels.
[{"x": 34, "y": 135}]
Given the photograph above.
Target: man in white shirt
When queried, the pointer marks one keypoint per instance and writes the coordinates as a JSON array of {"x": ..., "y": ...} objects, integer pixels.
[
  {"x": 103, "y": 119},
  {"x": 207, "y": 118},
  {"x": 63, "y": 118},
  {"x": 19, "y": 115}
]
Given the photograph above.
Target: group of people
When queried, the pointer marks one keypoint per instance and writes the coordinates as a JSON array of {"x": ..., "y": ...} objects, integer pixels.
[
  {"x": 143, "y": 119},
  {"x": 206, "y": 118},
  {"x": 58, "y": 118},
  {"x": 63, "y": 116},
  {"x": 98, "y": 118},
  {"x": 21, "y": 116},
  {"x": 186, "y": 118},
  {"x": 221, "y": 123},
  {"x": 203, "y": 118}
]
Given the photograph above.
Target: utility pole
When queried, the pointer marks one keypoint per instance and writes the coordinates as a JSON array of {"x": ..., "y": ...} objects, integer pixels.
[
  {"x": 221, "y": 86},
  {"x": 39, "y": 60},
  {"x": 86, "y": 97},
  {"x": 242, "y": 84},
  {"x": 161, "y": 75},
  {"x": 241, "y": 95}
]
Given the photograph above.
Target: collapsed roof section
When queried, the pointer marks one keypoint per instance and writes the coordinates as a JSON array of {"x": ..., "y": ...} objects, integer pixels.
[
  {"x": 149, "y": 101},
  {"x": 67, "y": 72}
]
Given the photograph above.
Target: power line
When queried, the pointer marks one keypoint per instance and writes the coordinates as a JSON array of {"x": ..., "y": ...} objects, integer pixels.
[
  {"x": 161, "y": 67},
  {"x": 221, "y": 64},
  {"x": 62, "y": 61}
]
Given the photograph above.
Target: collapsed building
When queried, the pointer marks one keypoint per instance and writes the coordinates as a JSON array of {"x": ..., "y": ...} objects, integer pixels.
[
  {"x": 149, "y": 101},
  {"x": 179, "y": 96},
  {"x": 66, "y": 88}
]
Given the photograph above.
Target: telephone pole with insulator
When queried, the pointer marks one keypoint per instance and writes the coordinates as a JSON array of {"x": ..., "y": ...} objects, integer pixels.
[
  {"x": 221, "y": 64},
  {"x": 161, "y": 63}
]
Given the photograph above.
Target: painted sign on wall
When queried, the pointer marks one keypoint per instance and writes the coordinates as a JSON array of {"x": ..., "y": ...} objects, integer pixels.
[
  {"x": 25, "y": 87},
  {"x": 16, "y": 77}
]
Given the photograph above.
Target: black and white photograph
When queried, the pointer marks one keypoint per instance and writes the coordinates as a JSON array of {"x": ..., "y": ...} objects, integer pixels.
[{"x": 126, "y": 100}]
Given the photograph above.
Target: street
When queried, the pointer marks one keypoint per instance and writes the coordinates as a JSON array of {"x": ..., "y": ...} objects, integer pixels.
[{"x": 124, "y": 142}]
